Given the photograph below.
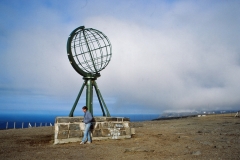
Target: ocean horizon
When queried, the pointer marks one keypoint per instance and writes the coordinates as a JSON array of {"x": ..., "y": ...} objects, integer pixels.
[{"x": 25, "y": 120}]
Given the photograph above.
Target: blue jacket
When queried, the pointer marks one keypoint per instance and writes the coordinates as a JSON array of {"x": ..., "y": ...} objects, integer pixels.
[{"x": 87, "y": 117}]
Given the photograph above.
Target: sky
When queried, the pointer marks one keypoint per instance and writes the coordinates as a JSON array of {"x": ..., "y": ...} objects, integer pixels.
[{"x": 167, "y": 56}]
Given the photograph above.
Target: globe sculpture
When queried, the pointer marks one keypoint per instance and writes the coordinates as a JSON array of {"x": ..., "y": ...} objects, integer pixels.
[{"x": 89, "y": 52}]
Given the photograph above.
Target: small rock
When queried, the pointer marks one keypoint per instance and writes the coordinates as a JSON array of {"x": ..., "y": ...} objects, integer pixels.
[
  {"x": 197, "y": 153},
  {"x": 218, "y": 147},
  {"x": 207, "y": 131},
  {"x": 186, "y": 152},
  {"x": 207, "y": 143}
]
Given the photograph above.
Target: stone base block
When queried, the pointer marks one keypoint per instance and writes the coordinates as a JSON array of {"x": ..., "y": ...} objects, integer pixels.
[{"x": 70, "y": 129}]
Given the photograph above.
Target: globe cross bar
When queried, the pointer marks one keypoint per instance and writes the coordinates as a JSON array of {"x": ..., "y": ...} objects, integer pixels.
[
  {"x": 90, "y": 65},
  {"x": 89, "y": 50}
]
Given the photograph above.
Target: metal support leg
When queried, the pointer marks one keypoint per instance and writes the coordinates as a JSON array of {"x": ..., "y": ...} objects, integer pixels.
[
  {"x": 101, "y": 98},
  {"x": 77, "y": 99},
  {"x": 89, "y": 98}
]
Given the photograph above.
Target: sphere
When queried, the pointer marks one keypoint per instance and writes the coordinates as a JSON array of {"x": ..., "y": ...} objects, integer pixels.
[{"x": 89, "y": 51}]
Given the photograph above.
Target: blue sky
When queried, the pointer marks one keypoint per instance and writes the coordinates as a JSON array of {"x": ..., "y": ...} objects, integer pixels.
[{"x": 167, "y": 55}]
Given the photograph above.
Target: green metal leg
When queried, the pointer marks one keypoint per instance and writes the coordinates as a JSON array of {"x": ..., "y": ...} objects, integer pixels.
[
  {"x": 101, "y": 99},
  {"x": 77, "y": 99},
  {"x": 89, "y": 98}
]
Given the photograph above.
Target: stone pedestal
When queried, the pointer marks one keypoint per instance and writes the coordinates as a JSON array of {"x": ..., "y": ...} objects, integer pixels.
[{"x": 70, "y": 129}]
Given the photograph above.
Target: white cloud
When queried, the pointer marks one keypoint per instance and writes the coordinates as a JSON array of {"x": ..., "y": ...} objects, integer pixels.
[
  {"x": 185, "y": 57},
  {"x": 186, "y": 67}
]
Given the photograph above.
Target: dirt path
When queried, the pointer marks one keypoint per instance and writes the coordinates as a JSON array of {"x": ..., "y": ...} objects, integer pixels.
[{"x": 210, "y": 137}]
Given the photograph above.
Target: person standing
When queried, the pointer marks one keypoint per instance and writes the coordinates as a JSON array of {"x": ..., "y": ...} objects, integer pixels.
[{"x": 88, "y": 122}]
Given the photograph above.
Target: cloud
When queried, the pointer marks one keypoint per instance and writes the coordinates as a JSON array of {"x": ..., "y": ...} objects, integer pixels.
[
  {"x": 179, "y": 56},
  {"x": 191, "y": 67}
]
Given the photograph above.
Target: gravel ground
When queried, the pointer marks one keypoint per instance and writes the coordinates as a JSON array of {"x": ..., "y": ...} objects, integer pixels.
[{"x": 210, "y": 137}]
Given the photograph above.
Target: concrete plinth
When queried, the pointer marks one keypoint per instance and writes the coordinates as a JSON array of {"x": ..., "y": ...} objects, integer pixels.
[{"x": 70, "y": 129}]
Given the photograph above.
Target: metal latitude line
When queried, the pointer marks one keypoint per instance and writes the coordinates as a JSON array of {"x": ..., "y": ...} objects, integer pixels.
[
  {"x": 87, "y": 67},
  {"x": 80, "y": 47},
  {"x": 83, "y": 43},
  {"x": 89, "y": 50},
  {"x": 70, "y": 53},
  {"x": 78, "y": 34},
  {"x": 92, "y": 65},
  {"x": 109, "y": 44},
  {"x": 93, "y": 50},
  {"x": 96, "y": 58},
  {"x": 102, "y": 62},
  {"x": 98, "y": 45}
]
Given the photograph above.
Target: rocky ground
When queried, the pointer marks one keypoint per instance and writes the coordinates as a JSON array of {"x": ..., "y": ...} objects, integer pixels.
[{"x": 210, "y": 137}]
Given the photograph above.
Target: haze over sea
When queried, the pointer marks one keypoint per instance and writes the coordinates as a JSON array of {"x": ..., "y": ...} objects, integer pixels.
[{"x": 41, "y": 119}]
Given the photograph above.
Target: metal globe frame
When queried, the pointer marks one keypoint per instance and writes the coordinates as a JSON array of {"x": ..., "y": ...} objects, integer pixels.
[{"x": 89, "y": 52}]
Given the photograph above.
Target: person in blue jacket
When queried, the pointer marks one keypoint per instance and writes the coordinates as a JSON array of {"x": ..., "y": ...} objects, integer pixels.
[{"x": 88, "y": 122}]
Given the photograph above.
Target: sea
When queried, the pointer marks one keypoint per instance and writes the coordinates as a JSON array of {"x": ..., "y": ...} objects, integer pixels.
[{"x": 26, "y": 120}]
